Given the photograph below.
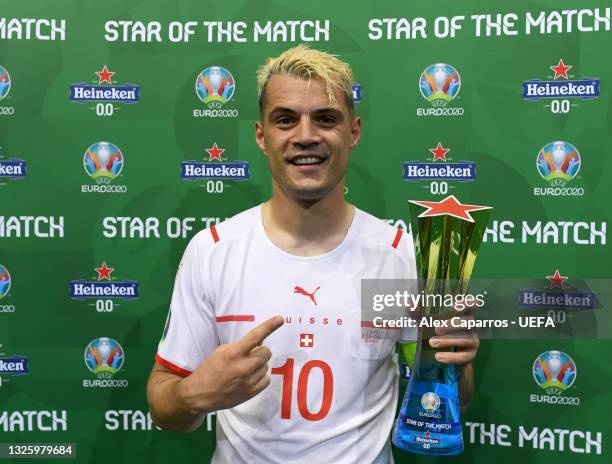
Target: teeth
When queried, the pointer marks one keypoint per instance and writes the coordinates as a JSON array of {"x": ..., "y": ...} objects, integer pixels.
[{"x": 307, "y": 160}]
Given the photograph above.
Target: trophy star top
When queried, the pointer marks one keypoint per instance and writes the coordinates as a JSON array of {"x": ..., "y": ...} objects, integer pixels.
[{"x": 450, "y": 206}]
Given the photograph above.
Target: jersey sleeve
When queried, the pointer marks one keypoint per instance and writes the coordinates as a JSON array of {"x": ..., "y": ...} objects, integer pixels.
[{"x": 190, "y": 333}]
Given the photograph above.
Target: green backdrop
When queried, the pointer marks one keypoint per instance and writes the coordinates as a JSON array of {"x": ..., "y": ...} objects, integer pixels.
[{"x": 489, "y": 123}]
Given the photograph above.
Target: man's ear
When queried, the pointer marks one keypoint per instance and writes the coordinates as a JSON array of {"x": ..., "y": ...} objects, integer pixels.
[
  {"x": 259, "y": 137},
  {"x": 355, "y": 132}
]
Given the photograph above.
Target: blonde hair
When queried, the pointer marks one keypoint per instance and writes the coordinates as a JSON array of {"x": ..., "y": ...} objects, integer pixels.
[{"x": 306, "y": 63}]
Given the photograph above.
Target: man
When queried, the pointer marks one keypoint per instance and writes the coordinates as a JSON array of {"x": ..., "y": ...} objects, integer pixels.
[{"x": 288, "y": 272}]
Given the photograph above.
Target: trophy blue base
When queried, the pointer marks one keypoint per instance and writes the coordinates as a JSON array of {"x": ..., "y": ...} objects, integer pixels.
[{"x": 429, "y": 421}]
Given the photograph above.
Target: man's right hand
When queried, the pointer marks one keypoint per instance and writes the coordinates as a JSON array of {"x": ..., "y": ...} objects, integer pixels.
[{"x": 232, "y": 374}]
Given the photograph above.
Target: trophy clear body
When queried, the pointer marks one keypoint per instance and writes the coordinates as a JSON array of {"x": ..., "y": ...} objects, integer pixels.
[{"x": 446, "y": 247}]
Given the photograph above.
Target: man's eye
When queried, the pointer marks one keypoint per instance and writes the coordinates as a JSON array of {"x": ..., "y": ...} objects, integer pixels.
[
  {"x": 284, "y": 120},
  {"x": 327, "y": 120}
]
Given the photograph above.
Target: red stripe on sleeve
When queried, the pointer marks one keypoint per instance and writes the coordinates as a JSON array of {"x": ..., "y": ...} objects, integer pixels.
[
  {"x": 174, "y": 367},
  {"x": 398, "y": 237},
  {"x": 236, "y": 318},
  {"x": 213, "y": 232}
]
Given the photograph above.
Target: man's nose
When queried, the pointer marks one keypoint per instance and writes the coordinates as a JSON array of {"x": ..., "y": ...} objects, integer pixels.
[{"x": 306, "y": 133}]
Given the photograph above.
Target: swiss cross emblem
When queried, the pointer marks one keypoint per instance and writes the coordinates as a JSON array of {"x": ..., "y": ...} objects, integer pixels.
[{"x": 306, "y": 340}]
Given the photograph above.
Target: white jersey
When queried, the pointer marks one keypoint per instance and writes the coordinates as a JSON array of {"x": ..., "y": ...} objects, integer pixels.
[{"x": 334, "y": 378}]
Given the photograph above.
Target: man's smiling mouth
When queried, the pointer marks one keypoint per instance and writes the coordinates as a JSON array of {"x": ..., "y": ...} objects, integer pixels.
[{"x": 305, "y": 160}]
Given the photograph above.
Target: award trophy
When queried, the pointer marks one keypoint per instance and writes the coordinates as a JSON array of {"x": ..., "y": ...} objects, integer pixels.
[{"x": 447, "y": 235}]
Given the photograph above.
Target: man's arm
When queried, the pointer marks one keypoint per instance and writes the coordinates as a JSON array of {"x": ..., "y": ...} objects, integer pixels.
[
  {"x": 230, "y": 375},
  {"x": 168, "y": 401},
  {"x": 466, "y": 345},
  {"x": 466, "y": 385}
]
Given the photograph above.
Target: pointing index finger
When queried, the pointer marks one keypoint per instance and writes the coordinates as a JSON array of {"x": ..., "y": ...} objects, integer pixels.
[{"x": 256, "y": 336}]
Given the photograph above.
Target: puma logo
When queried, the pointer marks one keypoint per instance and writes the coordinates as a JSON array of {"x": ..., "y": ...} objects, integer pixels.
[{"x": 301, "y": 291}]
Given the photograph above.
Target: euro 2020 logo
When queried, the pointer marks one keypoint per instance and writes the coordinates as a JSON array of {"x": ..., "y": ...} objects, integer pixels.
[
  {"x": 5, "y": 281},
  {"x": 5, "y": 82},
  {"x": 439, "y": 84},
  {"x": 103, "y": 162},
  {"x": 430, "y": 401},
  {"x": 215, "y": 86},
  {"x": 104, "y": 357},
  {"x": 558, "y": 163},
  {"x": 554, "y": 371}
]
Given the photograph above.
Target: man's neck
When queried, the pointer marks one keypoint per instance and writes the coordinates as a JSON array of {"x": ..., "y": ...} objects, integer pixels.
[{"x": 307, "y": 228}]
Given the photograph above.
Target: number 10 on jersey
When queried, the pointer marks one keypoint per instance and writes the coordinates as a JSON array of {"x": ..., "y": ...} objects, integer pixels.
[{"x": 287, "y": 371}]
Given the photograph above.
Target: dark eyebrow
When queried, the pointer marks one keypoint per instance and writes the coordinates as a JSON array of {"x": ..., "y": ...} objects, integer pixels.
[
  {"x": 280, "y": 110},
  {"x": 328, "y": 110}
]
